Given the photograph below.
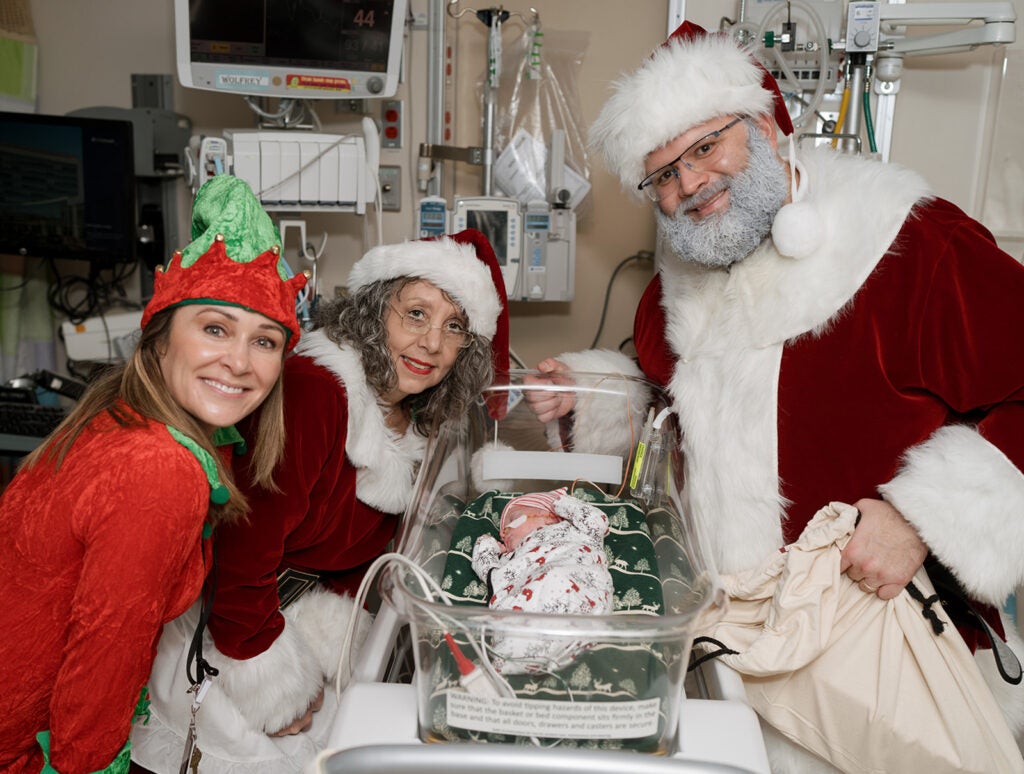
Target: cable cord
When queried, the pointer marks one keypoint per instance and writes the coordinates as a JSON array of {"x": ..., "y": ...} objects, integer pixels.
[
  {"x": 643, "y": 255},
  {"x": 869, "y": 124},
  {"x": 79, "y": 298},
  {"x": 432, "y": 592}
]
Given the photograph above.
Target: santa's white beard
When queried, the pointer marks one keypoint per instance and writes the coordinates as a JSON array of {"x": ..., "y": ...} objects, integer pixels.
[{"x": 755, "y": 196}]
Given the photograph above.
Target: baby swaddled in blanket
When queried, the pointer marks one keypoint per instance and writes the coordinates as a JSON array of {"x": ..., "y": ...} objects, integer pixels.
[{"x": 551, "y": 560}]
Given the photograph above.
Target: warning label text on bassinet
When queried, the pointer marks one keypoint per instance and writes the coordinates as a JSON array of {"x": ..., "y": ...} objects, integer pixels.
[{"x": 563, "y": 719}]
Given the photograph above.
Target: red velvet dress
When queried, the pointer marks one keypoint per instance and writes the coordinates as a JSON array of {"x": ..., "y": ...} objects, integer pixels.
[
  {"x": 315, "y": 523},
  {"x": 95, "y": 558}
]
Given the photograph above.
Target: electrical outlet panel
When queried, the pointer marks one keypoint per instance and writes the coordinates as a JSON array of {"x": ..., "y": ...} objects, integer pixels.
[
  {"x": 391, "y": 123},
  {"x": 390, "y": 188}
]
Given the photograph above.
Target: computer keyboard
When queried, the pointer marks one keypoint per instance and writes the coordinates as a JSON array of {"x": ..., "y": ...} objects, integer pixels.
[{"x": 30, "y": 419}]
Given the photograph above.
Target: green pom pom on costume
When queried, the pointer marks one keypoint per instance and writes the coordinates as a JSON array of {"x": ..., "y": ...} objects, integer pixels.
[{"x": 219, "y": 494}]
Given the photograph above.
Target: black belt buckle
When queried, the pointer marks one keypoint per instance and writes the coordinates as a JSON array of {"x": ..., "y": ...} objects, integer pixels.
[{"x": 292, "y": 584}]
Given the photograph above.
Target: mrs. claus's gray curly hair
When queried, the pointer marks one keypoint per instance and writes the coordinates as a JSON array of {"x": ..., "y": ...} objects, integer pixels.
[{"x": 358, "y": 321}]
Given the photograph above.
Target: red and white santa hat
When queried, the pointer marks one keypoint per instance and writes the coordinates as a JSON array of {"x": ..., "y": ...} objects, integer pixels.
[
  {"x": 691, "y": 78},
  {"x": 688, "y": 80},
  {"x": 463, "y": 265}
]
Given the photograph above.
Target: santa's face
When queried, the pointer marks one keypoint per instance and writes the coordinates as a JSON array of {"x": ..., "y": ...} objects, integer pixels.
[{"x": 718, "y": 216}]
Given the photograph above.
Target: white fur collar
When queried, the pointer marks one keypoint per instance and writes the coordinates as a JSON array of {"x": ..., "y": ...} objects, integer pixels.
[
  {"x": 768, "y": 298},
  {"x": 386, "y": 462},
  {"x": 728, "y": 329}
]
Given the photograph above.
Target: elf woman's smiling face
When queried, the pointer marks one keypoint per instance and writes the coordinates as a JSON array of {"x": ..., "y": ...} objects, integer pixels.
[{"x": 421, "y": 360}]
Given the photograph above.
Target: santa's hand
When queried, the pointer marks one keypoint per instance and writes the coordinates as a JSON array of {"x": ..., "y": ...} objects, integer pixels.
[
  {"x": 304, "y": 722},
  {"x": 885, "y": 551},
  {"x": 550, "y": 404}
]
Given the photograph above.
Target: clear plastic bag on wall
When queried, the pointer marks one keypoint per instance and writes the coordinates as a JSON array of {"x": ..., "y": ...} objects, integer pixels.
[{"x": 537, "y": 95}]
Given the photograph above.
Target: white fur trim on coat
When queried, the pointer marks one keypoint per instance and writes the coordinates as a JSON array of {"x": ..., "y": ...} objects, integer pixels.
[
  {"x": 681, "y": 85},
  {"x": 323, "y": 617},
  {"x": 386, "y": 462},
  {"x": 600, "y": 425},
  {"x": 963, "y": 496},
  {"x": 452, "y": 266},
  {"x": 729, "y": 328},
  {"x": 273, "y": 688}
]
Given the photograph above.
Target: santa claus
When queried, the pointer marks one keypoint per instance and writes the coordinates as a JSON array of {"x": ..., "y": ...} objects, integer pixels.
[{"x": 829, "y": 330}]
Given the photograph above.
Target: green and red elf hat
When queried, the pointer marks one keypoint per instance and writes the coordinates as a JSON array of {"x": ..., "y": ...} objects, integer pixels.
[{"x": 234, "y": 259}]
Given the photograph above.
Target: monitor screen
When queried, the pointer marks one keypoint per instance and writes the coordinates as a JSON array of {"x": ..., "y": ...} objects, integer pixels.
[
  {"x": 494, "y": 225},
  {"x": 67, "y": 188},
  {"x": 302, "y": 49}
]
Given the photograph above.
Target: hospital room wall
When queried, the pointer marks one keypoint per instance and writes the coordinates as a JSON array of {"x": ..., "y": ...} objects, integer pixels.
[{"x": 90, "y": 48}]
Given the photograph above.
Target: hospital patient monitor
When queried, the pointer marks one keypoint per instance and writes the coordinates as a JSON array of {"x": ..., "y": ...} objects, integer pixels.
[{"x": 338, "y": 50}]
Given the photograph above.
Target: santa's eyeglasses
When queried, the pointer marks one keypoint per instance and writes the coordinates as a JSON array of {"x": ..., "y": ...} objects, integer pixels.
[{"x": 698, "y": 157}]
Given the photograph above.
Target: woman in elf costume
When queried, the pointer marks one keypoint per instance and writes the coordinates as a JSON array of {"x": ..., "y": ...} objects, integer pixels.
[
  {"x": 104, "y": 531},
  {"x": 424, "y": 327}
]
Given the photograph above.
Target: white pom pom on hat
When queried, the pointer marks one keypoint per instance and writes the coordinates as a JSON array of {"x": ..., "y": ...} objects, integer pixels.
[{"x": 798, "y": 229}]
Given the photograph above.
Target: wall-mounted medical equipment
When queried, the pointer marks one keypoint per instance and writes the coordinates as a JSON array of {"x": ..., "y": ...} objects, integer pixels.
[
  {"x": 829, "y": 57},
  {"x": 432, "y": 217},
  {"x": 335, "y": 50},
  {"x": 499, "y": 220},
  {"x": 533, "y": 227},
  {"x": 535, "y": 245},
  {"x": 292, "y": 170}
]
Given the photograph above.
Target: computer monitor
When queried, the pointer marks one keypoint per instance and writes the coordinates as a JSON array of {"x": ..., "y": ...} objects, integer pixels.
[
  {"x": 302, "y": 49},
  {"x": 67, "y": 188}
]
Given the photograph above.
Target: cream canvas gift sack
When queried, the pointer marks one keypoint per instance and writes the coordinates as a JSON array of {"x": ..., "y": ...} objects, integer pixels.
[{"x": 864, "y": 683}]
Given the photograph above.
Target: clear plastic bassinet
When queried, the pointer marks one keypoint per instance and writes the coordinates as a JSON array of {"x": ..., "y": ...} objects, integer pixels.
[{"x": 598, "y": 681}]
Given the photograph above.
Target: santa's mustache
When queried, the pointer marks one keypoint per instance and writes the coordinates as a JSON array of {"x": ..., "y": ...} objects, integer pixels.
[{"x": 703, "y": 196}]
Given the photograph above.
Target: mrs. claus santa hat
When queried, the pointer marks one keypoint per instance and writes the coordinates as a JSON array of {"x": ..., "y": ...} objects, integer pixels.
[
  {"x": 464, "y": 266},
  {"x": 692, "y": 78}
]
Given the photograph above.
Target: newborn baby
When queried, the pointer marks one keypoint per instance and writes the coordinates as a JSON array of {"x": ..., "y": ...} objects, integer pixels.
[{"x": 551, "y": 556}]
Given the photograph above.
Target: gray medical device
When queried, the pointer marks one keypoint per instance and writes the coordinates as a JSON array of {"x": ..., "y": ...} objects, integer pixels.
[
  {"x": 500, "y": 221},
  {"x": 549, "y": 253},
  {"x": 433, "y": 216}
]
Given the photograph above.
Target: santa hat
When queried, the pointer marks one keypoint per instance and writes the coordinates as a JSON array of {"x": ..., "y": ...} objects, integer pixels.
[
  {"x": 691, "y": 78},
  {"x": 463, "y": 265},
  {"x": 542, "y": 501},
  {"x": 233, "y": 259}
]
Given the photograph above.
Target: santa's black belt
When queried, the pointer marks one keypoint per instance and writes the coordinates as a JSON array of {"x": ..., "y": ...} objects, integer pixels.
[{"x": 292, "y": 584}]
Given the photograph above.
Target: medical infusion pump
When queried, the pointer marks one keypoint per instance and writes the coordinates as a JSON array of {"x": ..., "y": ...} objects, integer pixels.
[{"x": 535, "y": 244}]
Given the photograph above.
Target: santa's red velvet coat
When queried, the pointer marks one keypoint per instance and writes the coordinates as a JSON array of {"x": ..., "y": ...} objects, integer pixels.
[
  {"x": 95, "y": 558},
  {"x": 888, "y": 363}
]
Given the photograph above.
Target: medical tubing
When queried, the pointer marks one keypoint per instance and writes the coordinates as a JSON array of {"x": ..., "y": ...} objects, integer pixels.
[
  {"x": 431, "y": 591},
  {"x": 842, "y": 112},
  {"x": 869, "y": 124},
  {"x": 819, "y": 90},
  {"x": 345, "y": 657}
]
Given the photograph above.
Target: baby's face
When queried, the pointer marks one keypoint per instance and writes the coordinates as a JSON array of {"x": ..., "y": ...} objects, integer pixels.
[{"x": 522, "y": 520}]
